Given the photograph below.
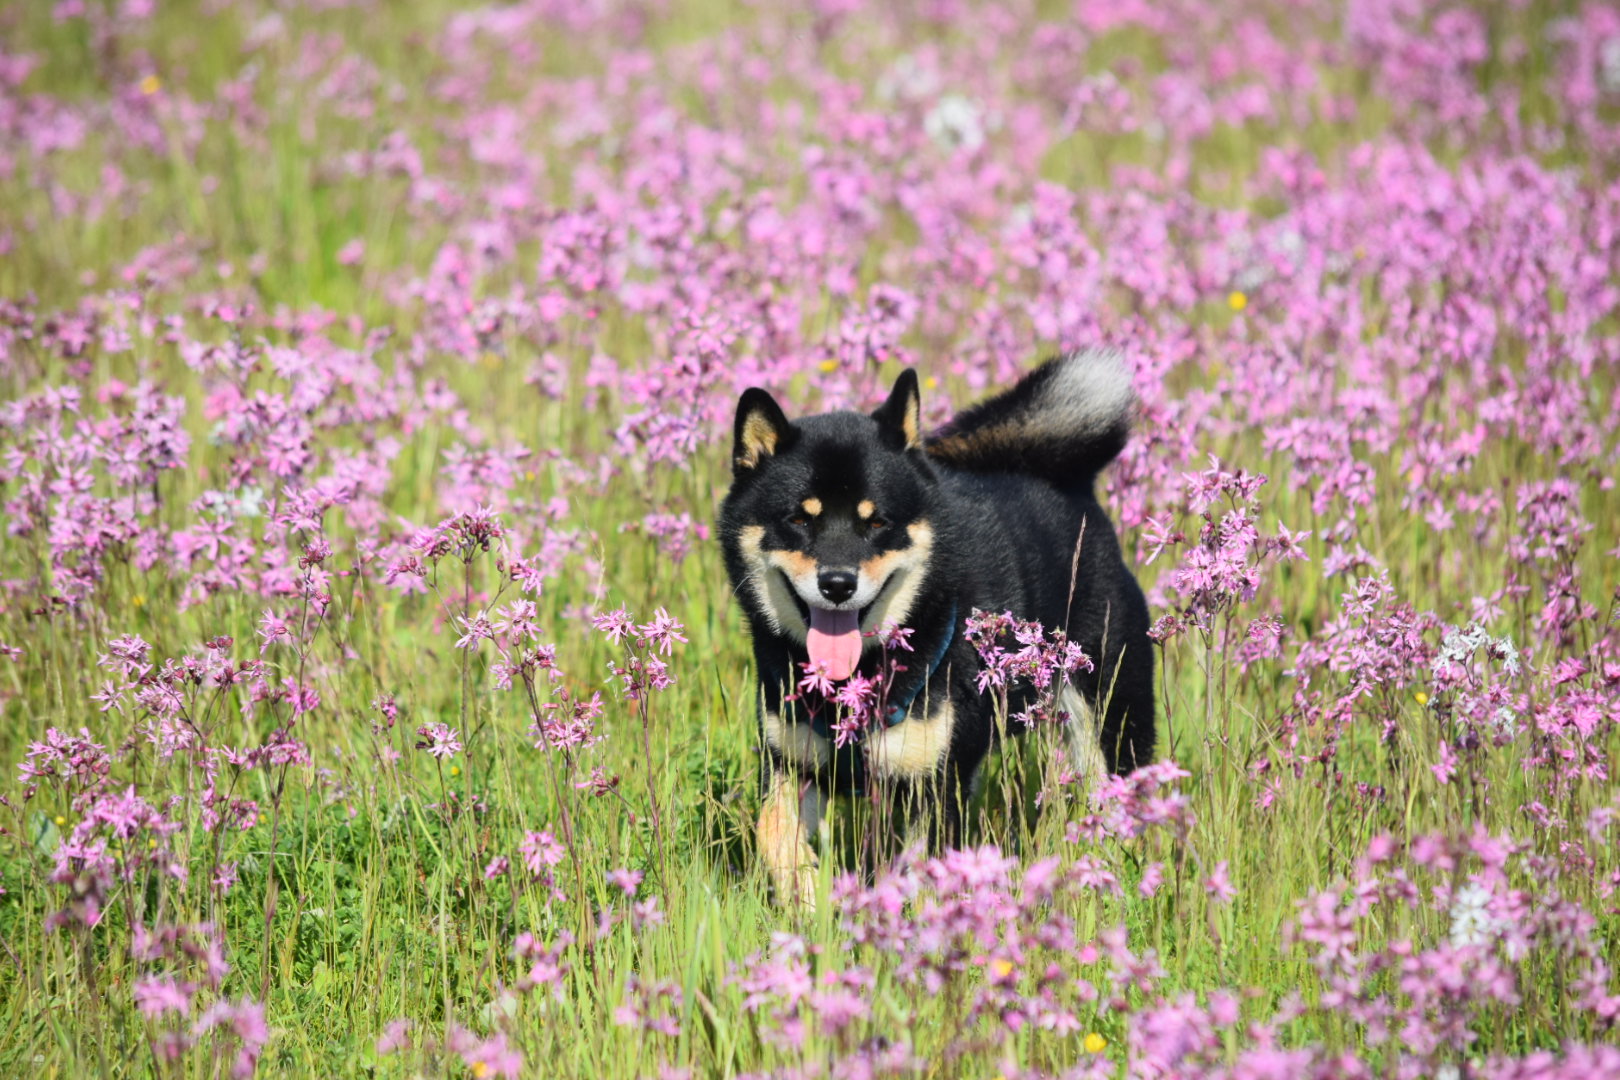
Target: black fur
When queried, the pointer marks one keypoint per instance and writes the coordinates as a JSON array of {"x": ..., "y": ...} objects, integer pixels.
[{"x": 1005, "y": 490}]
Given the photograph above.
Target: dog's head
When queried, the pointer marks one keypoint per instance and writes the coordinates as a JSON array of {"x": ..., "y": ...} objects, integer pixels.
[{"x": 826, "y": 527}]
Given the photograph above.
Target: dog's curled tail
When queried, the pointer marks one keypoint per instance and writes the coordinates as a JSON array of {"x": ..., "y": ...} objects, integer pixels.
[{"x": 1063, "y": 422}]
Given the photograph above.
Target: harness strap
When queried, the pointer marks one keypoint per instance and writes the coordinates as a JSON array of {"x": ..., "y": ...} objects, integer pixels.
[{"x": 898, "y": 711}]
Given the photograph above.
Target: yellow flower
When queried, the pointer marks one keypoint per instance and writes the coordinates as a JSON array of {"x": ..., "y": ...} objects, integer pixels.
[
  {"x": 480, "y": 1068},
  {"x": 139, "y": 600},
  {"x": 828, "y": 366},
  {"x": 1095, "y": 1043},
  {"x": 1421, "y": 698},
  {"x": 151, "y": 85},
  {"x": 60, "y": 821},
  {"x": 529, "y": 476},
  {"x": 1236, "y": 300},
  {"x": 1001, "y": 968},
  {"x": 455, "y": 770},
  {"x": 151, "y": 843},
  {"x": 931, "y": 383}
]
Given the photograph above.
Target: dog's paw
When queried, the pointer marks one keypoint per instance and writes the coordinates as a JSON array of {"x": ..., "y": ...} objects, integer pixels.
[
  {"x": 804, "y": 888},
  {"x": 795, "y": 884}
]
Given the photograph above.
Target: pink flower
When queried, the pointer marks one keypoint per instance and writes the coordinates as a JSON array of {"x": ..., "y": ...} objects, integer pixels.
[
  {"x": 541, "y": 850},
  {"x": 273, "y": 630},
  {"x": 627, "y": 881},
  {"x": 1446, "y": 767},
  {"x": 396, "y": 1036},
  {"x": 815, "y": 679},
  {"x": 156, "y": 996},
  {"x": 439, "y": 740},
  {"x": 616, "y": 625},
  {"x": 245, "y": 1022},
  {"x": 491, "y": 1057},
  {"x": 662, "y": 632},
  {"x": 1219, "y": 886}
]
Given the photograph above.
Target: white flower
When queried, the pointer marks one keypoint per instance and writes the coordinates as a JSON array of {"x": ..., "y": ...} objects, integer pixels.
[
  {"x": 247, "y": 502},
  {"x": 1471, "y": 920},
  {"x": 955, "y": 122},
  {"x": 1504, "y": 650},
  {"x": 1459, "y": 645},
  {"x": 908, "y": 80},
  {"x": 1609, "y": 64},
  {"x": 250, "y": 501}
]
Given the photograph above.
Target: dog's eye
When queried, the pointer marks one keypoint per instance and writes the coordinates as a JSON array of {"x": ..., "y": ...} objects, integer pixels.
[
  {"x": 876, "y": 523},
  {"x": 799, "y": 520}
]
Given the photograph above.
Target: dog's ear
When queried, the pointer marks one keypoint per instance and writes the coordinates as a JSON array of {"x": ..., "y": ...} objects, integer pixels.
[
  {"x": 901, "y": 415},
  {"x": 762, "y": 430}
]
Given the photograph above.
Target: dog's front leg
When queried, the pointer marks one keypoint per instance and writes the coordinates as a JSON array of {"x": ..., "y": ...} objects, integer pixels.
[
  {"x": 790, "y": 814},
  {"x": 926, "y": 758}
]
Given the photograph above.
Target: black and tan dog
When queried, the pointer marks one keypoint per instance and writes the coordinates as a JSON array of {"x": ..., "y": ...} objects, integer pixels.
[{"x": 838, "y": 525}]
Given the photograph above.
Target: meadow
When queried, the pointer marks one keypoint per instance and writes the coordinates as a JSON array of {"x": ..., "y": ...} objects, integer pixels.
[{"x": 372, "y": 698}]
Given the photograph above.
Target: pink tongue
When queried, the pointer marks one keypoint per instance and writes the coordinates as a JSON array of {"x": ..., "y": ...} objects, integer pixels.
[{"x": 835, "y": 640}]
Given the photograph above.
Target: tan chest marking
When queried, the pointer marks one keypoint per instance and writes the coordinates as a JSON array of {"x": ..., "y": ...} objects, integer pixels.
[
  {"x": 797, "y": 743},
  {"x": 915, "y": 747}
]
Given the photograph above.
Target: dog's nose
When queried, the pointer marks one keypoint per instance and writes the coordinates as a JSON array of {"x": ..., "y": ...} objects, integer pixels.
[{"x": 836, "y": 585}]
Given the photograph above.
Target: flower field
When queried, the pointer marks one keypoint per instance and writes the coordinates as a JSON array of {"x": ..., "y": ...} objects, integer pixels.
[{"x": 372, "y": 696}]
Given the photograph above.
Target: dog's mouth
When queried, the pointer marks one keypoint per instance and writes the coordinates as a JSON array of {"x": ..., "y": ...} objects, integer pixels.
[
  {"x": 805, "y": 609},
  {"x": 834, "y": 636}
]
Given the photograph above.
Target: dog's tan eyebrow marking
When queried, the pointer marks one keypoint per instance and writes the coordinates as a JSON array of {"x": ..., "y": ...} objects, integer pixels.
[
  {"x": 866, "y": 508},
  {"x": 812, "y": 506}
]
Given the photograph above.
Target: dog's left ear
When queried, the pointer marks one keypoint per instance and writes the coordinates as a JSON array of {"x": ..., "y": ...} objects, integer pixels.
[{"x": 901, "y": 415}]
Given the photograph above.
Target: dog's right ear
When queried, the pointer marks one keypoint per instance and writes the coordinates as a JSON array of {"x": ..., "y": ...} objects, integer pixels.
[
  {"x": 762, "y": 430},
  {"x": 901, "y": 415}
]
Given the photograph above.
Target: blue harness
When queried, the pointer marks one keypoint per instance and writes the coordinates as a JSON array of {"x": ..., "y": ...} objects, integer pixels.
[{"x": 897, "y": 712}]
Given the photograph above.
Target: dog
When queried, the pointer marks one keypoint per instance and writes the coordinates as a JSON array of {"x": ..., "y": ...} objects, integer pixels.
[{"x": 840, "y": 525}]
